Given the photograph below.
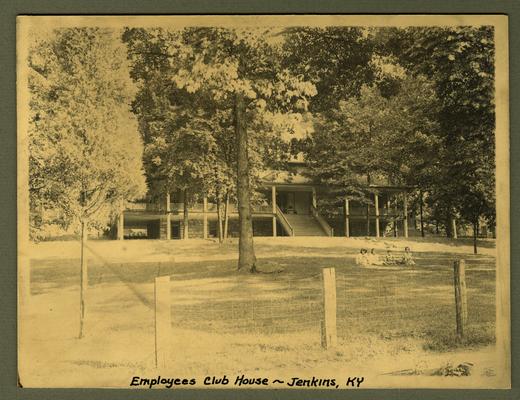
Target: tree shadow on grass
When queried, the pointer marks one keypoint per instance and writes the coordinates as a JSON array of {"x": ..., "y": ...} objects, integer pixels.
[{"x": 210, "y": 296}]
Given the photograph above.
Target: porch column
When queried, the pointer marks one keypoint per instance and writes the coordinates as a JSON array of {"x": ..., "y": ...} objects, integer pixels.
[
  {"x": 347, "y": 222},
  {"x": 396, "y": 213},
  {"x": 388, "y": 215},
  {"x": 273, "y": 202},
  {"x": 205, "y": 217},
  {"x": 186, "y": 219},
  {"x": 121, "y": 222},
  {"x": 405, "y": 211},
  {"x": 168, "y": 217},
  {"x": 367, "y": 218},
  {"x": 314, "y": 200},
  {"x": 376, "y": 203}
]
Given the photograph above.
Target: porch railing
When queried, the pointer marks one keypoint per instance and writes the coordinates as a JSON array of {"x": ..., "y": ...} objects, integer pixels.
[
  {"x": 143, "y": 207},
  {"x": 284, "y": 221},
  {"x": 324, "y": 225},
  {"x": 197, "y": 208}
]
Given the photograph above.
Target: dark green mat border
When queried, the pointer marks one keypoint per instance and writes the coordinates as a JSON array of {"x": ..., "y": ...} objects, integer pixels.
[{"x": 9, "y": 9}]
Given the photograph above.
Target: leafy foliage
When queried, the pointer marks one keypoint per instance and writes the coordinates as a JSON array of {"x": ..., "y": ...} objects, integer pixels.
[
  {"x": 419, "y": 110},
  {"x": 215, "y": 88},
  {"x": 460, "y": 61},
  {"x": 374, "y": 139},
  {"x": 85, "y": 153},
  {"x": 337, "y": 60},
  {"x": 409, "y": 106}
]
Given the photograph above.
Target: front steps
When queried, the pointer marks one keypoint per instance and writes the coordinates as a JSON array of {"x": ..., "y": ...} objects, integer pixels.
[{"x": 305, "y": 225}]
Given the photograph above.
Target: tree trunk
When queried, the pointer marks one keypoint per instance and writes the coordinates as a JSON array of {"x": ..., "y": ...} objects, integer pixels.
[
  {"x": 246, "y": 251},
  {"x": 475, "y": 235},
  {"x": 226, "y": 215},
  {"x": 449, "y": 225},
  {"x": 83, "y": 281},
  {"x": 219, "y": 215},
  {"x": 186, "y": 217},
  {"x": 421, "y": 214},
  {"x": 368, "y": 204}
]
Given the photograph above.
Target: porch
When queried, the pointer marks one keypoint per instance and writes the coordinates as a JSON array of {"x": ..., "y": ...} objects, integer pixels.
[{"x": 288, "y": 210}]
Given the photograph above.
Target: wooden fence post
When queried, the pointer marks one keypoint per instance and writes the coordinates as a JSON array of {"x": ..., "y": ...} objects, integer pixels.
[
  {"x": 162, "y": 321},
  {"x": 461, "y": 305},
  {"x": 328, "y": 327}
]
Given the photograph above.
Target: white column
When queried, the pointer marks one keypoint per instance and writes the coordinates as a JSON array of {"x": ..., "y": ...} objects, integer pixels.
[
  {"x": 314, "y": 200},
  {"x": 376, "y": 204},
  {"x": 121, "y": 222},
  {"x": 395, "y": 219},
  {"x": 186, "y": 221}
]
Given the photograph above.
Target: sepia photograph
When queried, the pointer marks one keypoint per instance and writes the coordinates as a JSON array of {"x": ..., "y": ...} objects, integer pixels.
[{"x": 263, "y": 202}]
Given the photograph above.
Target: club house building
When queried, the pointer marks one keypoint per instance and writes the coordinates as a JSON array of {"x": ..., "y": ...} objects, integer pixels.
[{"x": 289, "y": 208}]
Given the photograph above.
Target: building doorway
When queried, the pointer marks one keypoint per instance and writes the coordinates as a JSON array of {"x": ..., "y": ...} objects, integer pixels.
[
  {"x": 285, "y": 200},
  {"x": 294, "y": 202}
]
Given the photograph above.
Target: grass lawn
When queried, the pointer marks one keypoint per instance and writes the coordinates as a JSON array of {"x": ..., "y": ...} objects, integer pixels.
[{"x": 389, "y": 318}]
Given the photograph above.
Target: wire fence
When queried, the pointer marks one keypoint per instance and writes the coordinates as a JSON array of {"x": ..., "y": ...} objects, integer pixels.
[
  {"x": 387, "y": 302},
  {"x": 392, "y": 304},
  {"x": 250, "y": 316}
]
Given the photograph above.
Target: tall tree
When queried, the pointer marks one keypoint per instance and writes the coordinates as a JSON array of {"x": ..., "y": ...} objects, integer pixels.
[
  {"x": 340, "y": 62},
  {"x": 374, "y": 137},
  {"x": 336, "y": 59},
  {"x": 85, "y": 152},
  {"x": 237, "y": 71},
  {"x": 460, "y": 60},
  {"x": 187, "y": 139}
]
